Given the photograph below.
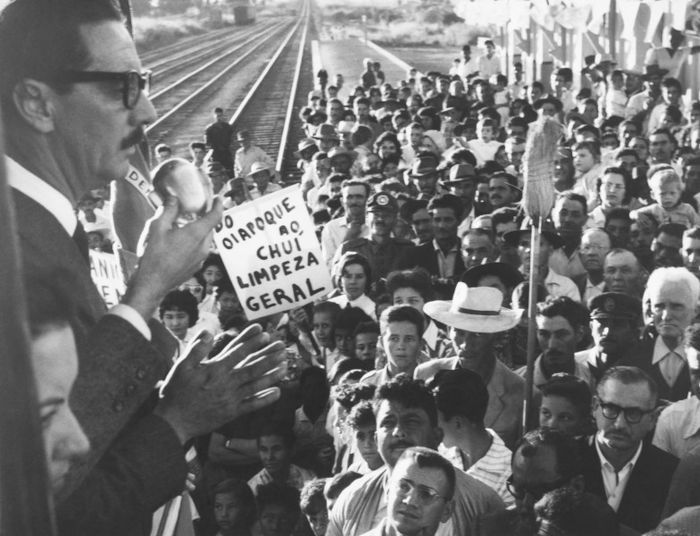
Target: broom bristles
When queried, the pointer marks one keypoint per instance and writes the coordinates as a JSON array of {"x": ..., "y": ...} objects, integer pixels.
[{"x": 538, "y": 167}]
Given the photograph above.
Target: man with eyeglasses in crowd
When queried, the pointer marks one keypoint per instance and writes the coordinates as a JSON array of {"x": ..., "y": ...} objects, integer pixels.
[
  {"x": 619, "y": 466},
  {"x": 419, "y": 495}
]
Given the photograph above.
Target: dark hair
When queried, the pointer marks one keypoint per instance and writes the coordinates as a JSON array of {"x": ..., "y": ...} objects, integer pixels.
[
  {"x": 429, "y": 458},
  {"x": 348, "y": 396},
  {"x": 362, "y": 100},
  {"x": 403, "y": 313},
  {"x": 565, "y": 72},
  {"x": 626, "y": 178},
  {"x": 628, "y": 376},
  {"x": 591, "y": 146},
  {"x": 390, "y": 137},
  {"x": 361, "y": 414},
  {"x": 279, "y": 429},
  {"x": 460, "y": 392},
  {"x": 360, "y": 134},
  {"x": 355, "y": 182},
  {"x": 336, "y": 485},
  {"x": 675, "y": 230},
  {"x": 568, "y": 454},
  {"x": 666, "y": 132},
  {"x": 572, "y": 388},
  {"x": 409, "y": 393},
  {"x": 570, "y": 195},
  {"x": 410, "y": 207},
  {"x": 180, "y": 300},
  {"x": 417, "y": 278},
  {"x": 574, "y": 312},
  {"x": 447, "y": 201},
  {"x": 311, "y": 500},
  {"x": 327, "y": 307},
  {"x": 49, "y": 301},
  {"x": 244, "y": 498},
  {"x": 346, "y": 365},
  {"x": 504, "y": 215},
  {"x": 671, "y": 82},
  {"x": 618, "y": 213},
  {"x": 279, "y": 494},
  {"x": 223, "y": 286},
  {"x": 349, "y": 258},
  {"x": 512, "y": 180},
  {"x": 198, "y": 145}
]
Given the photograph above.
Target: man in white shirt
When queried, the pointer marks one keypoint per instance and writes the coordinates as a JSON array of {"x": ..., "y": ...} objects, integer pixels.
[
  {"x": 633, "y": 476},
  {"x": 489, "y": 64},
  {"x": 467, "y": 66},
  {"x": 349, "y": 226}
]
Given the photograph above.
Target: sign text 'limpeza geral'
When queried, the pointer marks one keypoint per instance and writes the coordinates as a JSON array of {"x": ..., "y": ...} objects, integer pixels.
[{"x": 271, "y": 253}]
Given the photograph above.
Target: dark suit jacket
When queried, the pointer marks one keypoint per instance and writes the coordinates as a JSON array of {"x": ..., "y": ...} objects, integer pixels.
[
  {"x": 642, "y": 359},
  {"x": 425, "y": 256},
  {"x": 118, "y": 369},
  {"x": 644, "y": 497}
]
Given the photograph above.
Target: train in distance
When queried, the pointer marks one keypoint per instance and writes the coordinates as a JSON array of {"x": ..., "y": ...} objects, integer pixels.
[{"x": 243, "y": 11}]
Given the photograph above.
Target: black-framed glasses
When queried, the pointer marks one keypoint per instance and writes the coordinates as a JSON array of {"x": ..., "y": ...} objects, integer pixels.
[
  {"x": 425, "y": 494},
  {"x": 612, "y": 412},
  {"x": 133, "y": 82},
  {"x": 536, "y": 492}
]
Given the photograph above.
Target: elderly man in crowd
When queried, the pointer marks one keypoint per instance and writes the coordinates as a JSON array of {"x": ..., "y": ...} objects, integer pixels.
[
  {"x": 670, "y": 302},
  {"x": 595, "y": 245},
  {"x": 474, "y": 316},
  {"x": 76, "y": 107},
  {"x": 406, "y": 417}
]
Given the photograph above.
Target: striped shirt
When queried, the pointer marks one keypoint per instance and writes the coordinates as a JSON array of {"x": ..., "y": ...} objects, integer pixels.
[{"x": 493, "y": 468}]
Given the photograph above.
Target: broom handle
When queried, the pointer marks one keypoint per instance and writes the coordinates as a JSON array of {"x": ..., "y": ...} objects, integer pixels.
[{"x": 531, "y": 324}]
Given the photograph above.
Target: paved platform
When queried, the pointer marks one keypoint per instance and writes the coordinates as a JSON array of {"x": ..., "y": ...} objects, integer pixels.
[{"x": 345, "y": 56}]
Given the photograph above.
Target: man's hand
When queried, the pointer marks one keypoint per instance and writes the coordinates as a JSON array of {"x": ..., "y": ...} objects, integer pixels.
[
  {"x": 199, "y": 395},
  {"x": 170, "y": 255}
]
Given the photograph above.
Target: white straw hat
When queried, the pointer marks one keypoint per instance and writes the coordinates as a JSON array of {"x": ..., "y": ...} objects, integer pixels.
[{"x": 475, "y": 309}]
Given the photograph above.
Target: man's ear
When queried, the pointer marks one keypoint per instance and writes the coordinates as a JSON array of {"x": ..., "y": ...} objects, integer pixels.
[
  {"x": 447, "y": 511},
  {"x": 32, "y": 100}
]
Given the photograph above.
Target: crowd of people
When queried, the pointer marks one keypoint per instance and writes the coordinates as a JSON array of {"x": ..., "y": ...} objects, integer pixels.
[{"x": 398, "y": 404}]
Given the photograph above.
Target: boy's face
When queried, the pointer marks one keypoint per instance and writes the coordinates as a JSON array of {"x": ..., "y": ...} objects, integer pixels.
[
  {"x": 485, "y": 133},
  {"x": 583, "y": 160},
  {"x": 274, "y": 454},
  {"x": 276, "y": 520},
  {"x": 366, "y": 346},
  {"x": 318, "y": 521},
  {"x": 667, "y": 195},
  {"x": 226, "y": 511},
  {"x": 416, "y": 136},
  {"x": 344, "y": 341},
  {"x": 366, "y": 444},
  {"x": 323, "y": 326}
]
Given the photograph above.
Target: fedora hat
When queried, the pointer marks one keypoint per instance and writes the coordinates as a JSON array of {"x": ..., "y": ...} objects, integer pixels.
[
  {"x": 257, "y": 167},
  {"x": 306, "y": 143},
  {"x": 424, "y": 164},
  {"x": 475, "y": 309},
  {"x": 504, "y": 271},
  {"x": 326, "y": 131},
  {"x": 549, "y": 99},
  {"x": 335, "y": 152},
  {"x": 653, "y": 71},
  {"x": 512, "y": 237},
  {"x": 460, "y": 173}
]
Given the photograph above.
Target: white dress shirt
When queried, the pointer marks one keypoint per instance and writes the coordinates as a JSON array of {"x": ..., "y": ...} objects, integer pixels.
[
  {"x": 446, "y": 263},
  {"x": 615, "y": 482},
  {"x": 670, "y": 361},
  {"x": 58, "y": 205},
  {"x": 333, "y": 235},
  {"x": 678, "y": 428},
  {"x": 559, "y": 285}
]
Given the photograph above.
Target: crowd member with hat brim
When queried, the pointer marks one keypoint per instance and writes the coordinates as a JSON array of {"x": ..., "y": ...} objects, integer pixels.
[
  {"x": 474, "y": 316},
  {"x": 261, "y": 174},
  {"x": 616, "y": 320},
  {"x": 341, "y": 159},
  {"x": 461, "y": 182},
  {"x": 247, "y": 154},
  {"x": 424, "y": 175},
  {"x": 640, "y": 104},
  {"x": 548, "y": 105},
  {"x": 498, "y": 275},
  {"x": 327, "y": 137},
  {"x": 381, "y": 249},
  {"x": 556, "y": 284}
]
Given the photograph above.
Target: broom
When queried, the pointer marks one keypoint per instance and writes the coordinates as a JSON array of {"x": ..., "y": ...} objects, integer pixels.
[{"x": 538, "y": 200}]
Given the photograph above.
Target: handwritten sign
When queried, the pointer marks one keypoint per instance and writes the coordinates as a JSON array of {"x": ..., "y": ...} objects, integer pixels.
[
  {"x": 271, "y": 253},
  {"x": 107, "y": 276}
]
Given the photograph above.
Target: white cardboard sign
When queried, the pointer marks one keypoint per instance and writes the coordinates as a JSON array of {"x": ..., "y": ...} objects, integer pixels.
[
  {"x": 271, "y": 253},
  {"x": 107, "y": 276}
]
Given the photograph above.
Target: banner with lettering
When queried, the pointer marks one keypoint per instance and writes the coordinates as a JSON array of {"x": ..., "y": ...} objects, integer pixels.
[
  {"x": 271, "y": 253},
  {"x": 107, "y": 276}
]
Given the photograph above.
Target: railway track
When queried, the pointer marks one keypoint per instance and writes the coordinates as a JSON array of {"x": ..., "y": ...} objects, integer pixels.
[{"x": 271, "y": 106}]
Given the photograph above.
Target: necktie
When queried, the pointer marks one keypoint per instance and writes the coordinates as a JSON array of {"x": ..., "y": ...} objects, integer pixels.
[{"x": 81, "y": 240}]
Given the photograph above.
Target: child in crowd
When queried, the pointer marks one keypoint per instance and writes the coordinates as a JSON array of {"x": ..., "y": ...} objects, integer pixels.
[
  {"x": 213, "y": 272},
  {"x": 666, "y": 189},
  {"x": 275, "y": 444},
  {"x": 485, "y": 145},
  {"x": 362, "y": 423},
  {"x": 278, "y": 509},
  {"x": 178, "y": 312},
  {"x": 313, "y": 505},
  {"x": 566, "y": 405},
  {"x": 335, "y": 486},
  {"x": 501, "y": 98},
  {"x": 314, "y": 445},
  {"x": 354, "y": 277},
  {"x": 588, "y": 169},
  {"x": 347, "y": 321},
  {"x": 234, "y": 508},
  {"x": 366, "y": 336},
  {"x": 324, "y": 318},
  {"x": 615, "y": 97}
]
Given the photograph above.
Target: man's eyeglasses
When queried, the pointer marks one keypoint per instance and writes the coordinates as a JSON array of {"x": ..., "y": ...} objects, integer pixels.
[
  {"x": 612, "y": 411},
  {"x": 425, "y": 494},
  {"x": 133, "y": 82},
  {"x": 536, "y": 492}
]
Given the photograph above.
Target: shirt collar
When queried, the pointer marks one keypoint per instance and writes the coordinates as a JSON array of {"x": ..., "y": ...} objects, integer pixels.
[
  {"x": 436, "y": 247},
  {"x": 599, "y": 286},
  {"x": 58, "y": 205},
  {"x": 605, "y": 463},
  {"x": 661, "y": 351}
]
